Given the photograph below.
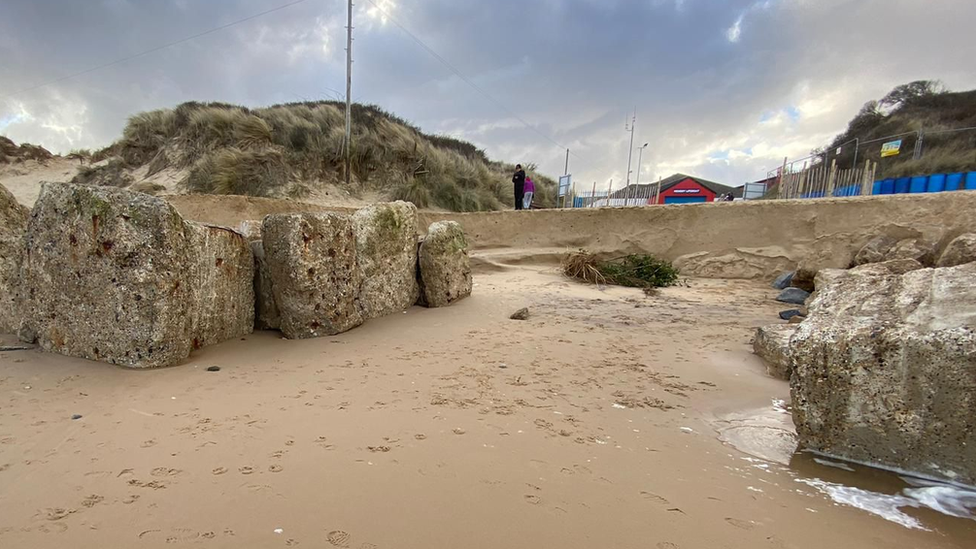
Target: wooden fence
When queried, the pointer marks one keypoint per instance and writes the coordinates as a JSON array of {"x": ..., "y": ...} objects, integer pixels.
[{"x": 821, "y": 180}]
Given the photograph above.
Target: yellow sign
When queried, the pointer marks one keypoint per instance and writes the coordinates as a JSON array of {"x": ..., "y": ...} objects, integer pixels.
[{"x": 892, "y": 148}]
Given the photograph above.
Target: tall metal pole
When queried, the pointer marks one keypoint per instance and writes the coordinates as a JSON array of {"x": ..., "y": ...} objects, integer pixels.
[
  {"x": 349, "y": 97},
  {"x": 566, "y": 196},
  {"x": 640, "y": 156},
  {"x": 630, "y": 154}
]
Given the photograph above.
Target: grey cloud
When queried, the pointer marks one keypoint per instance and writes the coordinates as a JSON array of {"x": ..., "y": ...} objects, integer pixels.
[{"x": 574, "y": 69}]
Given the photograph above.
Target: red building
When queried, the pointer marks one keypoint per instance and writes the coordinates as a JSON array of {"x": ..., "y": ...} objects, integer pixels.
[{"x": 679, "y": 189}]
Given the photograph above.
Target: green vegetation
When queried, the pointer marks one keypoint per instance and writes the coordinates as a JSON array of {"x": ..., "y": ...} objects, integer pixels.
[
  {"x": 286, "y": 150},
  {"x": 635, "y": 270},
  {"x": 922, "y": 105}
]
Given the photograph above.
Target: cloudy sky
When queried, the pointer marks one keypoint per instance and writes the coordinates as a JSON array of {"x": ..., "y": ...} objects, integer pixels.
[{"x": 724, "y": 89}]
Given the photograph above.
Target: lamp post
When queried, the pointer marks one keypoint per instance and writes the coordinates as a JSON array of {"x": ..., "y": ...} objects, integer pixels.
[{"x": 640, "y": 155}]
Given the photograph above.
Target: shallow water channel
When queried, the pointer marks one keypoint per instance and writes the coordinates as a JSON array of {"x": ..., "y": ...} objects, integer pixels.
[{"x": 768, "y": 437}]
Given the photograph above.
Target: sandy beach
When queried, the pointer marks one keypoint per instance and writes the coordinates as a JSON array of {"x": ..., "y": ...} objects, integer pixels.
[{"x": 608, "y": 419}]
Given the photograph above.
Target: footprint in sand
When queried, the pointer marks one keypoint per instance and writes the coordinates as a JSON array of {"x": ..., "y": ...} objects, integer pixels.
[
  {"x": 52, "y": 528},
  {"x": 130, "y": 499},
  {"x": 164, "y": 472},
  {"x": 275, "y": 468},
  {"x": 420, "y": 436},
  {"x": 181, "y": 535},
  {"x": 533, "y": 499},
  {"x": 219, "y": 470},
  {"x": 667, "y": 545},
  {"x": 338, "y": 538},
  {"x": 246, "y": 470},
  {"x": 655, "y": 498},
  {"x": 57, "y": 513},
  {"x": 543, "y": 424},
  {"x": 148, "y": 443},
  {"x": 92, "y": 500},
  {"x": 743, "y": 524}
]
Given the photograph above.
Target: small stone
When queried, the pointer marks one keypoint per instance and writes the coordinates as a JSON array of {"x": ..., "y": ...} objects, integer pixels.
[
  {"x": 794, "y": 296},
  {"x": 783, "y": 281},
  {"x": 791, "y": 313},
  {"x": 213, "y": 369},
  {"x": 521, "y": 314},
  {"x": 76, "y": 416}
]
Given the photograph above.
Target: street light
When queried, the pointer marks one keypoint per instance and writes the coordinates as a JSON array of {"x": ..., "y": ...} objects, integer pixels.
[{"x": 640, "y": 155}]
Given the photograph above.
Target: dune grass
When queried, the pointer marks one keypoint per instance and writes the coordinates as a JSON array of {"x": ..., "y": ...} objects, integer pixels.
[
  {"x": 635, "y": 270},
  {"x": 286, "y": 150}
]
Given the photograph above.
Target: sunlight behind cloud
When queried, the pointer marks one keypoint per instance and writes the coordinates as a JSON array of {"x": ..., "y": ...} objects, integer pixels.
[{"x": 377, "y": 10}]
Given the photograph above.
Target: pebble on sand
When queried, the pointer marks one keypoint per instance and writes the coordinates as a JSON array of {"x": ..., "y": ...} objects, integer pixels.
[{"x": 521, "y": 314}]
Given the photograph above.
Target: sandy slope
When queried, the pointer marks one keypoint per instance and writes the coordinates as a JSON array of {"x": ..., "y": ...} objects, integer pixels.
[
  {"x": 23, "y": 179},
  {"x": 435, "y": 428}
]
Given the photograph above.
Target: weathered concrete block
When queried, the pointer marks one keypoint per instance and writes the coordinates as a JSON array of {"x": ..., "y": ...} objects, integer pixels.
[
  {"x": 445, "y": 269},
  {"x": 118, "y": 276},
  {"x": 315, "y": 277},
  {"x": 13, "y": 225},
  {"x": 772, "y": 344},
  {"x": 386, "y": 244},
  {"x": 266, "y": 316},
  {"x": 105, "y": 277},
  {"x": 885, "y": 371},
  {"x": 221, "y": 278},
  {"x": 960, "y": 251}
]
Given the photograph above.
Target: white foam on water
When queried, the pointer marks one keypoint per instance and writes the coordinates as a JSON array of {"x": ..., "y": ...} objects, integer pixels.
[
  {"x": 885, "y": 506},
  {"x": 948, "y": 499},
  {"x": 779, "y": 405}
]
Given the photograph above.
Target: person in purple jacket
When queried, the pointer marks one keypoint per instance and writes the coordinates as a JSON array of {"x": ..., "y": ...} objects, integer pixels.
[{"x": 528, "y": 191}]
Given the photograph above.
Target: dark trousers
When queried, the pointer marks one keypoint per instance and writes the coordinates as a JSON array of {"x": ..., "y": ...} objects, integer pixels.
[{"x": 519, "y": 195}]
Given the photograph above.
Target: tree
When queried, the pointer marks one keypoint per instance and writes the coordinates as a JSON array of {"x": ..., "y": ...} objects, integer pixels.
[{"x": 907, "y": 93}]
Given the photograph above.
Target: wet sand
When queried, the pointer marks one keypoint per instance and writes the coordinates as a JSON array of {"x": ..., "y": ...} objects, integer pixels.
[{"x": 608, "y": 419}]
